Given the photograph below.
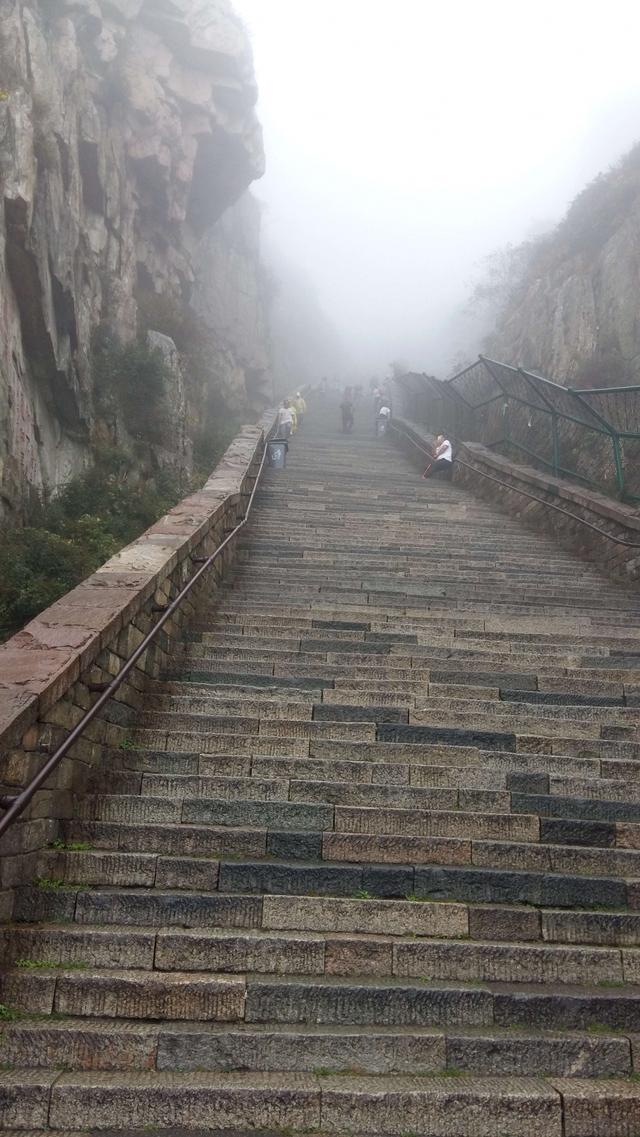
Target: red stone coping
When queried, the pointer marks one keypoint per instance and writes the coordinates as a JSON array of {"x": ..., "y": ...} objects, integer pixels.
[{"x": 42, "y": 661}]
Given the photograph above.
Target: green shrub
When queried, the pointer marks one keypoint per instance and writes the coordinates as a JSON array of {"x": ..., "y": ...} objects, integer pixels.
[
  {"x": 133, "y": 378},
  {"x": 69, "y": 537}
]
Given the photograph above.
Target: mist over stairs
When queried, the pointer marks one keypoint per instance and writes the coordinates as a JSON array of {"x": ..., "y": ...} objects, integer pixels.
[{"x": 368, "y": 859}]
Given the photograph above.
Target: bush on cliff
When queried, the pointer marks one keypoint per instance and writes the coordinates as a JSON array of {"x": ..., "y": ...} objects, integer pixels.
[
  {"x": 132, "y": 378},
  {"x": 67, "y": 538}
]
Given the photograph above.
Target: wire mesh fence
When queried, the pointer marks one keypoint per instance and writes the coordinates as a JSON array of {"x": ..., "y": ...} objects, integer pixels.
[{"x": 591, "y": 436}]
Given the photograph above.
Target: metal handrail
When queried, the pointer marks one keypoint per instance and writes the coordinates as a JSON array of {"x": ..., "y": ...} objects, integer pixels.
[
  {"x": 524, "y": 493},
  {"x": 16, "y": 804}
]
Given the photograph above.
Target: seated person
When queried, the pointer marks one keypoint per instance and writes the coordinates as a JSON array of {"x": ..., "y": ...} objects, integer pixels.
[{"x": 442, "y": 459}]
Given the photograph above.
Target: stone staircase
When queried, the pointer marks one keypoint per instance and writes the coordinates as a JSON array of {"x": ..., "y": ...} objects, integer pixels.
[{"x": 373, "y": 865}]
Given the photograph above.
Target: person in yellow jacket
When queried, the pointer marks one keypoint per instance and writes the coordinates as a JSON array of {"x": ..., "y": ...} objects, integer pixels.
[
  {"x": 294, "y": 413},
  {"x": 301, "y": 407}
]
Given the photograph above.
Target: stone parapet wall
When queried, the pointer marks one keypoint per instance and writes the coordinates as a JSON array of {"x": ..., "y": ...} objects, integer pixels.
[
  {"x": 620, "y": 520},
  {"x": 49, "y": 670}
]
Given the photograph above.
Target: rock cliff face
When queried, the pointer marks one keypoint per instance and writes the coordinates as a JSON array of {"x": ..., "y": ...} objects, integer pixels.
[
  {"x": 127, "y": 129},
  {"x": 574, "y": 312}
]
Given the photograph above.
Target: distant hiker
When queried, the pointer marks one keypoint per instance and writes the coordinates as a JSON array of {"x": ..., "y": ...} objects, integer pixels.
[
  {"x": 442, "y": 459},
  {"x": 294, "y": 416},
  {"x": 285, "y": 420},
  {"x": 301, "y": 407},
  {"x": 383, "y": 418},
  {"x": 346, "y": 410}
]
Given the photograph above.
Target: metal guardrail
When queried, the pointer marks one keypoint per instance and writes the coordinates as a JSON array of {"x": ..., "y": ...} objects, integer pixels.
[
  {"x": 515, "y": 489},
  {"x": 590, "y": 435},
  {"x": 16, "y": 804}
]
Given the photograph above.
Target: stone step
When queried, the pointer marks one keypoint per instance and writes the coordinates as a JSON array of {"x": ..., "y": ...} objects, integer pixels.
[
  {"x": 300, "y": 815},
  {"x": 451, "y": 882},
  {"x": 117, "y": 1045},
  {"x": 495, "y": 1107},
  {"x": 342, "y": 873},
  {"x": 324, "y": 999},
  {"x": 131, "y": 994},
  {"x": 141, "y": 908},
  {"x": 40, "y": 955},
  {"x": 190, "y": 853},
  {"x": 446, "y": 919},
  {"x": 345, "y": 1001},
  {"x": 184, "y": 787}
]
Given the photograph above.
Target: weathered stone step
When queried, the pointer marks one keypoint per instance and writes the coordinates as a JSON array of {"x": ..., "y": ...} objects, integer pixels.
[
  {"x": 187, "y": 855},
  {"x": 185, "y": 710},
  {"x": 451, "y": 919},
  {"x": 429, "y": 1003},
  {"x": 182, "y": 841},
  {"x": 579, "y": 808},
  {"x": 319, "y": 816},
  {"x": 132, "y": 994},
  {"x": 278, "y": 770},
  {"x": 95, "y": 1044},
  {"x": 544, "y": 857},
  {"x": 412, "y": 751},
  {"x": 495, "y": 1107},
  {"x": 140, "y": 908},
  {"x": 41, "y": 955},
  {"x": 247, "y": 731},
  {"x": 530, "y": 705},
  {"x": 434, "y": 882},
  {"x": 332, "y": 999},
  {"x": 350, "y": 867},
  {"x": 187, "y": 787}
]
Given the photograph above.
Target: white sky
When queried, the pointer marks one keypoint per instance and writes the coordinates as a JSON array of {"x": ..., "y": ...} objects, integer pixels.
[{"x": 406, "y": 140}]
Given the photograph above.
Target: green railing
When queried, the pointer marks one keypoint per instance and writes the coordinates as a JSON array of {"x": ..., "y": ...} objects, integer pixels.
[{"x": 591, "y": 436}]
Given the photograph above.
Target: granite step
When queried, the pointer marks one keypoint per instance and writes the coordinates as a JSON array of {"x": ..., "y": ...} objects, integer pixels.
[
  {"x": 118, "y": 1045},
  {"x": 40, "y": 955},
  {"x": 430, "y": 916},
  {"x": 199, "y": 1102}
]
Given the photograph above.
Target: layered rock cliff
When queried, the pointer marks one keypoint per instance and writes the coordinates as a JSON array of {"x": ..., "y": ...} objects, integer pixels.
[
  {"x": 127, "y": 133},
  {"x": 572, "y": 311}
]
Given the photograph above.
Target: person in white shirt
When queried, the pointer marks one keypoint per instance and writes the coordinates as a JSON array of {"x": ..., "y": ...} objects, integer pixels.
[
  {"x": 285, "y": 420},
  {"x": 442, "y": 459},
  {"x": 382, "y": 419}
]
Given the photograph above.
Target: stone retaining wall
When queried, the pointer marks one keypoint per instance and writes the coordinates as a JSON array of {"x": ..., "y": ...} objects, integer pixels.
[
  {"x": 620, "y": 520},
  {"x": 48, "y": 669}
]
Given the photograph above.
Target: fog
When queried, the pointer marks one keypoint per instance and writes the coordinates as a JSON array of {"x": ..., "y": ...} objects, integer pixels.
[{"x": 406, "y": 141}]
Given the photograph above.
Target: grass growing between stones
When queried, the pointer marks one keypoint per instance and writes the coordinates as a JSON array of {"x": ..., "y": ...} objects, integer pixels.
[
  {"x": 49, "y": 884},
  {"x": 70, "y": 846}
]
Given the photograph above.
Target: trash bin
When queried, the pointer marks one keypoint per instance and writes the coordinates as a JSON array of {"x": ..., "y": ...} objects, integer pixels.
[{"x": 277, "y": 453}]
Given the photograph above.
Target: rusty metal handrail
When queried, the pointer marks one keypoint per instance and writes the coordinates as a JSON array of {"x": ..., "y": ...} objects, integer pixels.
[
  {"x": 16, "y": 804},
  {"x": 524, "y": 493}
]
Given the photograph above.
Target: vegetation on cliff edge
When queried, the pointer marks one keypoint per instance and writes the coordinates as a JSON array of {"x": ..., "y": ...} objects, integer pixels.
[{"x": 69, "y": 537}]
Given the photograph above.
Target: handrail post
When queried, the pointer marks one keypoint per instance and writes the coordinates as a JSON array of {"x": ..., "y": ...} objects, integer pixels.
[
  {"x": 619, "y": 465},
  {"x": 556, "y": 443}
]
